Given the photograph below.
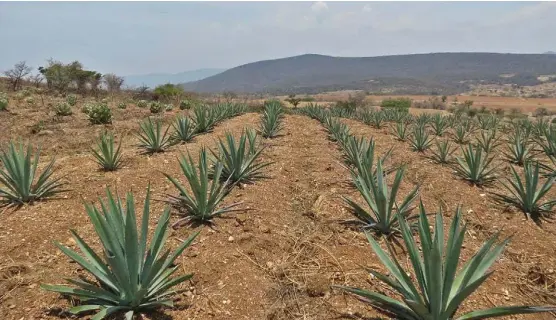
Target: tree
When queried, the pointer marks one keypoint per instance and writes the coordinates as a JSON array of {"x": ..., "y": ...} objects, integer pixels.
[
  {"x": 16, "y": 74},
  {"x": 168, "y": 92},
  {"x": 293, "y": 100},
  {"x": 61, "y": 76},
  {"x": 113, "y": 82},
  {"x": 36, "y": 80}
]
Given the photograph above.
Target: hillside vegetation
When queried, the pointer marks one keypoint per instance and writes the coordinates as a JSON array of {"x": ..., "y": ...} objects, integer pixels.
[{"x": 442, "y": 73}]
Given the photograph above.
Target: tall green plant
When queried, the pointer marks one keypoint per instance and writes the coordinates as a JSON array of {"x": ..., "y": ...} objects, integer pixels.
[
  {"x": 19, "y": 180},
  {"x": 108, "y": 157},
  {"x": 438, "y": 289},
  {"x": 420, "y": 140},
  {"x": 271, "y": 120},
  {"x": 131, "y": 277},
  {"x": 184, "y": 129},
  {"x": 151, "y": 137}
]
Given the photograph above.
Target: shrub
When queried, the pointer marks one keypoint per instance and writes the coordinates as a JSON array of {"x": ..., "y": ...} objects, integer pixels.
[
  {"x": 186, "y": 104},
  {"x": 3, "y": 101},
  {"x": 239, "y": 165},
  {"x": 402, "y": 104},
  {"x": 108, "y": 158},
  {"x": 87, "y": 107},
  {"x": 526, "y": 194},
  {"x": 168, "y": 107},
  {"x": 151, "y": 137},
  {"x": 438, "y": 290},
  {"x": 201, "y": 203},
  {"x": 156, "y": 107},
  {"x": 20, "y": 180},
  {"x": 122, "y": 105},
  {"x": 135, "y": 276},
  {"x": 30, "y": 101},
  {"x": 63, "y": 109},
  {"x": 541, "y": 112},
  {"x": 142, "y": 104},
  {"x": 71, "y": 99},
  {"x": 100, "y": 113}
]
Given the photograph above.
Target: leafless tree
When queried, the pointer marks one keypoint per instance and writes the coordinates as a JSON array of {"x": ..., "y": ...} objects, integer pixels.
[
  {"x": 17, "y": 73},
  {"x": 113, "y": 82},
  {"x": 36, "y": 80}
]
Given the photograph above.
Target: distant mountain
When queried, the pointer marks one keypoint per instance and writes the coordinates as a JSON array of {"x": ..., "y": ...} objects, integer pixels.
[
  {"x": 440, "y": 73},
  {"x": 550, "y": 52},
  {"x": 154, "y": 79}
]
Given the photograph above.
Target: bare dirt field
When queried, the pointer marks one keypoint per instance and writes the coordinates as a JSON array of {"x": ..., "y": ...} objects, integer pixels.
[{"x": 278, "y": 258}]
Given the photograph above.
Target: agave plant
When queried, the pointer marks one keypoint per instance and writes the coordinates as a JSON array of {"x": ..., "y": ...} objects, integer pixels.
[
  {"x": 438, "y": 289},
  {"x": 461, "y": 134},
  {"x": 271, "y": 120},
  {"x": 519, "y": 149},
  {"x": 184, "y": 129},
  {"x": 526, "y": 194},
  {"x": 132, "y": 277},
  {"x": 400, "y": 131},
  {"x": 201, "y": 203},
  {"x": 420, "y": 140},
  {"x": 546, "y": 139},
  {"x": 443, "y": 152},
  {"x": 488, "y": 122},
  {"x": 19, "y": 183},
  {"x": 488, "y": 140},
  {"x": 238, "y": 164},
  {"x": 204, "y": 118},
  {"x": 383, "y": 213},
  {"x": 377, "y": 120},
  {"x": 360, "y": 153},
  {"x": 439, "y": 125},
  {"x": 151, "y": 137},
  {"x": 475, "y": 166},
  {"x": 108, "y": 157},
  {"x": 549, "y": 169}
]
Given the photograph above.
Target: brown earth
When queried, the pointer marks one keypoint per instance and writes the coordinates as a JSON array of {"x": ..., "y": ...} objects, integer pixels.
[{"x": 278, "y": 258}]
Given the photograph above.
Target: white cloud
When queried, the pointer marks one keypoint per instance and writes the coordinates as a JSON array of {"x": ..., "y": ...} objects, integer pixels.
[
  {"x": 319, "y": 7},
  {"x": 367, "y": 8}
]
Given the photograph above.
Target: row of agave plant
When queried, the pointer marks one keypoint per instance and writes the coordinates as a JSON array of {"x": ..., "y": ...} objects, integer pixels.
[
  {"x": 130, "y": 274},
  {"x": 437, "y": 289}
]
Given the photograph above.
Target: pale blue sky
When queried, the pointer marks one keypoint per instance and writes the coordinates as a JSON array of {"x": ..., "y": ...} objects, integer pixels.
[{"x": 148, "y": 37}]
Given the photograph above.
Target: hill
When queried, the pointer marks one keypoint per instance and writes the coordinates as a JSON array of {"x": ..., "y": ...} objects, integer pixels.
[
  {"x": 439, "y": 73},
  {"x": 154, "y": 79}
]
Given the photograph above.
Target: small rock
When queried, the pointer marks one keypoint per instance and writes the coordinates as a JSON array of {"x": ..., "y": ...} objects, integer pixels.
[
  {"x": 231, "y": 239},
  {"x": 264, "y": 229},
  {"x": 46, "y": 133}
]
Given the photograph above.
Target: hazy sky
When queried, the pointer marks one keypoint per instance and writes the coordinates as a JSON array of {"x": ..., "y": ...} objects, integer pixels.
[{"x": 147, "y": 37}]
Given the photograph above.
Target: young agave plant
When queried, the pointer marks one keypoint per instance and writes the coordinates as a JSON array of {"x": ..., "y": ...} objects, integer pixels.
[
  {"x": 184, "y": 129},
  {"x": 439, "y": 125},
  {"x": 151, "y": 137},
  {"x": 519, "y": 150},
  {"x": 132, "y": 277},
  {"x": 252, "y": 138},
  {"x": 108, "y": 157},
  {"x": 377, "y": 120},
  {"x": 205, "y": 119},
  {"x": 439, "y": 289},
  {"x": 443, "y": 152},
  {"x": 549, "y": 170},
  {"x": 475, "y": 166},
  {"x": 488, "y": 140},
  {"x": 238, "y": 164},
  {"x": 420, "y": 140},
  {"x": 526, "y": 194},
  {"x": 271, "y": 120},
  {"x": 546, "y": 139},
  {"x": 19, "y": 183},
  {"x": 384, "y": 214},
  {"x": 400, "y": 131},
  {"x": 488, "y": 122},
  {"x": 201, "y": 203},
  {"x": 461, "y": 134},
  {"x": 365, "y": 160}
]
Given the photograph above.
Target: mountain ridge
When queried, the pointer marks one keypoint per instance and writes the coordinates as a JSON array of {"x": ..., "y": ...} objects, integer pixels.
[
  {"x": 154, "y": 79},
  {"x": 442, "y": 72}
]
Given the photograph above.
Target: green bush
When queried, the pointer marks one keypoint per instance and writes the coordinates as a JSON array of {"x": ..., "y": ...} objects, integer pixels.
[
  {"x": 71, "y": 100},
  {"x": 3, "y": 101},
  {"x": 186, "y": 104},
  {"x": 63, "y": 109},
  {"x": 168, "y": 107},
  {"x": 156, "y": 107},
  {"x": 100, "y": 113},
  {"x": 30, "y": 101},
  {"x": 142, "y": 104},
  {"x": 122, "y": 105},
  {"x": 400, "y": 104}
]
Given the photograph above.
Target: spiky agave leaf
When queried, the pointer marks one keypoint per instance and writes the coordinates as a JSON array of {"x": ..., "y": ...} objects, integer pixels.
[
  {"x": 383, "y": 212},
  {"x": 130, "y": 277},
  {"x": 443, "y": 152},
  {"x": 252, "y": 138},
  {"x": 527, "y": 194},
  {"x": 549, "y": 169},
  {"x": 420, "y": 140},
  {"x": 461, "y": 133},
  {"x": 519, "y": 149},
  {"x": 475, "y": 166},
  {"x": 363, "y": 157},
  {"x": 546, "y": 139},
  {"x": 108, "y": 157},
  {"x": 201, "y": 204},
  {"x": 238, "y": 164},
  {"x": 271, "y": 120},
  {"x": 151, "y": 137},
  {"x": 205, "y": 118},
  {"x": 400, "y": 131},
  {"x": 488, "y": 140},
  {"x": 439, "y": 125},
  {"x": 439, "y": 289},
  {"x": 184, "y": 129},
  {"x": 19, "y": 183}
]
